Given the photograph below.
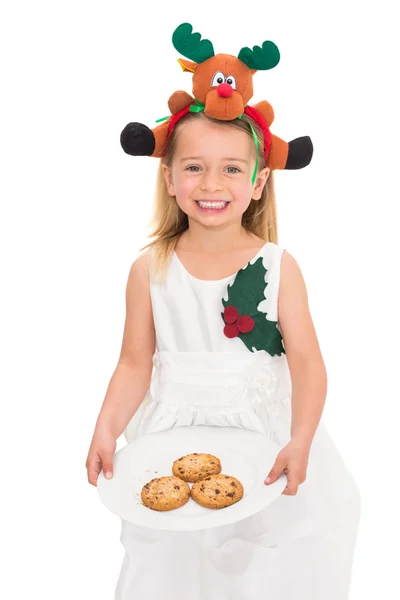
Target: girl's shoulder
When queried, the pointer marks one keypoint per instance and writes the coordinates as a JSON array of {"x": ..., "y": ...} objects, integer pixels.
[
  {"x": 293, "y": 305},
  {"x": 140, "y": 266},
  {"x": 286, "y": 275},
  {"x": 146, "y": 267},
  {"x": 290, "y": 275},
  {"x": 289, "y": 267},
  {"x": 139, "y": 334}
]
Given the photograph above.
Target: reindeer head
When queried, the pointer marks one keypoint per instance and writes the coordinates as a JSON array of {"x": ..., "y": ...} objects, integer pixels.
[{"x": 224, "y": 83}]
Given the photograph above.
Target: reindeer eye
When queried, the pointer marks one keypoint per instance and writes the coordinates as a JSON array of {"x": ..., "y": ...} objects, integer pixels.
[
  {"x": 231, "y": 80},
  {"x": 218, "y": 78}
]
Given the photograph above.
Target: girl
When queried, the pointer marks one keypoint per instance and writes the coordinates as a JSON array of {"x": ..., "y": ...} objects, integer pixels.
[
  {"x": 218, "y": 332},
  {"x": 211, "y": 223}
]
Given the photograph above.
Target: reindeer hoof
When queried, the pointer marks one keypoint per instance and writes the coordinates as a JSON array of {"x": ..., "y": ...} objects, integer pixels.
[
  {"x": 300, "y": 153},
  {"x": 138, "y": 140}
]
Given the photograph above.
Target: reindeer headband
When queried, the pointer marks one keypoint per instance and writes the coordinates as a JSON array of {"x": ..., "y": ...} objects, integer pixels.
[{"x": 222, "y": 88}]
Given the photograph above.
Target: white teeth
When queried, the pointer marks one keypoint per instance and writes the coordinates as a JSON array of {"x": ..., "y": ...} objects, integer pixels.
[{"x": 212, "y": 204}]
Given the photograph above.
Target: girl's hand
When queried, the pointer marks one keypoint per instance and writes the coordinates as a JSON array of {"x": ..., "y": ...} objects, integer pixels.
[
  {"x": 100, "y": 456},
  {"x": 292, "y": 460}
]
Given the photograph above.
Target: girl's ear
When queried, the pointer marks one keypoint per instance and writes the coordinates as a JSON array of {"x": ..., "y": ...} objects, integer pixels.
[
  {"x": 168, "y": 180},
  {"x": 261, "y": 180}
]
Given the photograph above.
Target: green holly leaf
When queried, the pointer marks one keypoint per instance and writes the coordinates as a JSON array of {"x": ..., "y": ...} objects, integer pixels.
[
  {"x": 247, "y": 289},
  {"x": 264, "y": 336},
  {"x": 245, "y": 293}
]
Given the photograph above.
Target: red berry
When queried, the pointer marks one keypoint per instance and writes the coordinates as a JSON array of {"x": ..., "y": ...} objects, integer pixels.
[
  {"x": 231, "y": 313},
  {"x": 231, "y": 330},
  {"x": 245, "y": 324}
]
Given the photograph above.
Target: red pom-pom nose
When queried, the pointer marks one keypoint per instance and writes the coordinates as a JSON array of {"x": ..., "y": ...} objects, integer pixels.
[{"x": 225, "y": 90}]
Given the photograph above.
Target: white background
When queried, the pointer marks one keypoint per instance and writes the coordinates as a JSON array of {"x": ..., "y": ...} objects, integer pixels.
[{"x": 75, "y": 210}]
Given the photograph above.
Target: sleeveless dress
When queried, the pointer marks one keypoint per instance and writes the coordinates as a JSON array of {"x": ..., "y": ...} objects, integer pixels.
[{"x": 300, "y": 547}]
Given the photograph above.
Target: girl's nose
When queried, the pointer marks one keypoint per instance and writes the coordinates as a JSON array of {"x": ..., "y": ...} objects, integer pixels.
[
  {"x": 224, "y": 90},
  {"x": 210, "y": 182}
]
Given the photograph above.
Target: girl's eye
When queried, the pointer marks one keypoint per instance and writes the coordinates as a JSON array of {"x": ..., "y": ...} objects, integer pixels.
[{"x": 195, "y": 167}]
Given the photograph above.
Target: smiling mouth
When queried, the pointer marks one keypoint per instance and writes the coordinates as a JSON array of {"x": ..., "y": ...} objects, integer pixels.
[{"x": 212, "y": 203}]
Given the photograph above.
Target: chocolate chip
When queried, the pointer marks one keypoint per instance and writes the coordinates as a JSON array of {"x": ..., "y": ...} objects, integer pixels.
[
  {"x": 217, "y": 491},
  {"x": 231, "y": 494},
  {"x": 213, "y": 463},
  {"x": 207, "y": 478},
  {"x": 181, "y": 458},
  {"x": 233, "y": 483},
  {"x": 176, "y": 487}
]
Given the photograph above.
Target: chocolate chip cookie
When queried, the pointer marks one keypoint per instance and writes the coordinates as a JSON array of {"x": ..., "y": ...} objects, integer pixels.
[
  {"x": 165, "y": 493},
  {"x": 194, "y": 467},
  {"x": 217, "y": 491}
]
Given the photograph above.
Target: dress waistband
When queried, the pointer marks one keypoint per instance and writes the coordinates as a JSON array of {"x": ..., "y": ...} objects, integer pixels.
[{"x": 219, "y": 379}]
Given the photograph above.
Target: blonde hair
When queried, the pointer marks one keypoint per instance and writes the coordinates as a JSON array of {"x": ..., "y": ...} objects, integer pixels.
[{"x": 169, "y": 221}]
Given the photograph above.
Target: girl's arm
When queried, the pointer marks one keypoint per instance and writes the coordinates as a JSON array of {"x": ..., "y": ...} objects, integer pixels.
[
  {"x": 131, "y": 378},
  {"x": 306, "y": 365}
]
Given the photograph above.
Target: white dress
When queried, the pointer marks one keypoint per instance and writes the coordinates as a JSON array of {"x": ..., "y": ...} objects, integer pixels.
[{"x": 300, "y": 547}]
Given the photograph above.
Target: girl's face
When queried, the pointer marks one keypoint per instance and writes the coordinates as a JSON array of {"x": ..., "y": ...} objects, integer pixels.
[{"x": 213, "y": 163}]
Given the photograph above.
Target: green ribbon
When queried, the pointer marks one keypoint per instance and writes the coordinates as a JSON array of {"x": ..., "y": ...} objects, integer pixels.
[
  {"x": 255, "y": 138},
  {"x": 162, "y": 119},
  {"x": 199, "y": 107}
]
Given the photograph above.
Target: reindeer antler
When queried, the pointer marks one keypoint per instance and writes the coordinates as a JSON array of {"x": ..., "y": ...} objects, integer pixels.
[
  {"x": 260, "y": 59},
  {"x": 191, "y": 45}
]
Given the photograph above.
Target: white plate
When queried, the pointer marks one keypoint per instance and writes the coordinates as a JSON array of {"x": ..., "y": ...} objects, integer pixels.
[{"x": 244, "y": 454}]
